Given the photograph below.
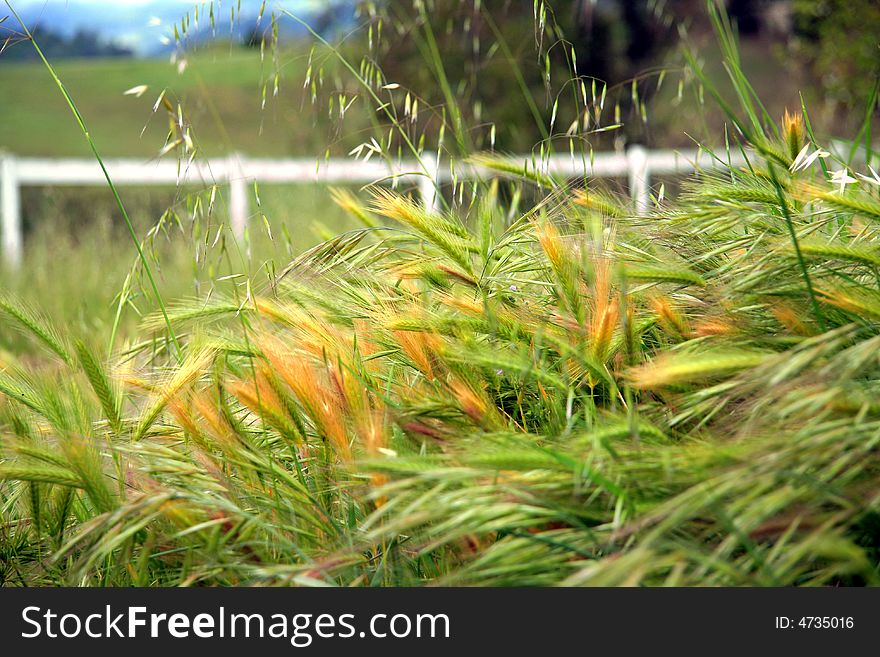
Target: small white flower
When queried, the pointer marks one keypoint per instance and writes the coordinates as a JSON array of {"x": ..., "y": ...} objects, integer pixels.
[
  {"x": 841, "y": 177},
  {"x": 799, "y": 160},
  {"x": 371, "y": 149},
  {"x": 874, "y": 179},
  {"x": 137, "y": 91},
  {"x": 804, "y": 160}
]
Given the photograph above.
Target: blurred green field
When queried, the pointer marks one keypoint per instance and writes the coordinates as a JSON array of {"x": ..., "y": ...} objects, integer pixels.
[{"x": 220, "y": 90}]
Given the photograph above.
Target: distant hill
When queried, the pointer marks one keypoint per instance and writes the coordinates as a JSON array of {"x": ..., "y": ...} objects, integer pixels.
[
  {"x": 82, "y": 44},
  {"x": 86, "y": 28}
]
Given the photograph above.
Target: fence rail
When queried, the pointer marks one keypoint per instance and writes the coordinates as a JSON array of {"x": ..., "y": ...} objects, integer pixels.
[{"x": 636, "y": 164}]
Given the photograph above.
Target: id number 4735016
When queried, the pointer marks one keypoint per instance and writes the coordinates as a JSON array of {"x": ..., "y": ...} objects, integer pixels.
[{"x": 815, "y": 623}]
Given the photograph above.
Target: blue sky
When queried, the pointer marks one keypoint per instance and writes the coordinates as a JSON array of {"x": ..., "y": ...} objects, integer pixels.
[{"x": 139, "y": 24}]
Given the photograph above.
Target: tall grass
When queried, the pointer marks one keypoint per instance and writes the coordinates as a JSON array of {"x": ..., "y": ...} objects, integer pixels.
[
  {"x": 501, "y": 393},
  {"x": 66, "y": 227},
  {"x": 147, "y": 268}
]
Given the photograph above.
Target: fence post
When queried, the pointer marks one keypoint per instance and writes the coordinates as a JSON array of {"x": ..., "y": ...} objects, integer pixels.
[
  {"x": 10, "y": 211},
  {"x": 639, "y": 178},
  {"x": 238, "y": 200},
  {"x": 429, "y": 181}
]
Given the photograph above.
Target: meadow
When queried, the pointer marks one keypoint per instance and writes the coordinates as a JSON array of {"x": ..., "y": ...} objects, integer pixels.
[
  {"x": 535, "y": 385},
  {"x": 221, "y": 87}
]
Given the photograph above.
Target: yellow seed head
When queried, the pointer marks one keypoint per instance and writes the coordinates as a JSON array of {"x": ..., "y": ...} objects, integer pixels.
[{"x": 793, "y": 132}]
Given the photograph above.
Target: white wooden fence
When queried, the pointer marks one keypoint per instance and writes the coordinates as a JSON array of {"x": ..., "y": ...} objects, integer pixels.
[{"x": 636, "y": 164}]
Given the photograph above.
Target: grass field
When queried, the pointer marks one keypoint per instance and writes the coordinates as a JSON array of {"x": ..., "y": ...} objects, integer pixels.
[
  {"x": 220, "y": 89},
  {"x": 77, "y": 254}
]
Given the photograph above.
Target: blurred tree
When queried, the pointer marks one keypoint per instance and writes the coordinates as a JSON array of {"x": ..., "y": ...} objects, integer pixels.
[
  {"x": 489, "y": 50},
  {"x": 839, "y": 40},
  {"x": 83, "y": 43}
]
